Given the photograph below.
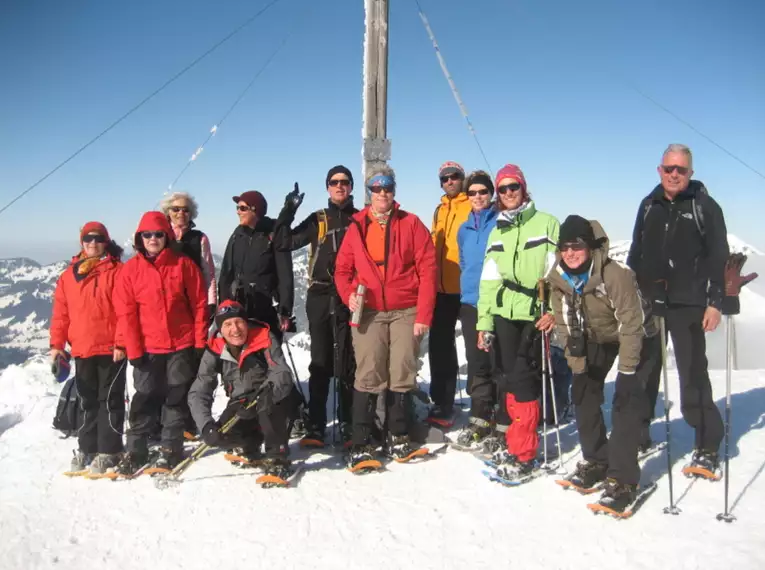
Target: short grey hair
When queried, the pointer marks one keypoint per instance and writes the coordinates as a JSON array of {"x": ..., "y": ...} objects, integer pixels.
[
  {"x": 679, "y": 148},
  {"x": 383, "y": 170},
  {"x": 168, "y": 200}
]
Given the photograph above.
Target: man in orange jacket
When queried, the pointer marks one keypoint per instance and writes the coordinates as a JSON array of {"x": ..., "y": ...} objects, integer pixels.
[{"x": 450, "y": 214}]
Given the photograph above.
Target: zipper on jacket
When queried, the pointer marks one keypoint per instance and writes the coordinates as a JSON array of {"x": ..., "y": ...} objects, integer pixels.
[{"x": 443, "y": 245}]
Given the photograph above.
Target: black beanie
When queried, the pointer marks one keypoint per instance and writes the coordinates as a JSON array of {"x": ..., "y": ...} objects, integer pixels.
[
  {"x": 480, "y": 178},
  {"x": 576, "y": 228},
  {"x": 229, "y": 309},
  {"x": 339, "y": 169}
]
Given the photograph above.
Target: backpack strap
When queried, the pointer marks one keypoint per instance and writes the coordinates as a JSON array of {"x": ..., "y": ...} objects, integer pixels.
[{"x": 321, "y": 221}]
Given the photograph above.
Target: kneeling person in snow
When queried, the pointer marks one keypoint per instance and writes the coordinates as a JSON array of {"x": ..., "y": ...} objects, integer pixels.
[
  {"x": 245, "y": 355},
  {"x": 600, "y": 315}
]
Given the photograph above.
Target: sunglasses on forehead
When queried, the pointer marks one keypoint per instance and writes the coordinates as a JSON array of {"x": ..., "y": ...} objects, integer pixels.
[
  {"x": 228, "y": 310},
  {"x": 177, "y": 209},
  {"x": 445, "y": 179},
  {"x": 342, "y": 182},
  {"x": 481, "y": 192},
  {"x": 512, "y": 187},
  {"x": 98, "y": 238},
  {"x": 670, "y": 168},
  {"x": 149, "y": 235}
]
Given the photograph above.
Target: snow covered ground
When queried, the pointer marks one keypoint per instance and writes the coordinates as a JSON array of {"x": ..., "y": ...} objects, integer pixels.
[{"x": 440, "y": 514}]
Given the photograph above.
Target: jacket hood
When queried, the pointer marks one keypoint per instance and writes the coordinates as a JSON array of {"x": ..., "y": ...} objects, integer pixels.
[{"x": 153, "y": 222}]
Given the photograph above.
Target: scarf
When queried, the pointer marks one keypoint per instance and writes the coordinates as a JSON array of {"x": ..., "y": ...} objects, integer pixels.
[
  {"x": 507, "y": 217},
  {"x": 85, "y": 264},
  {"x": 381, "y": 219}
]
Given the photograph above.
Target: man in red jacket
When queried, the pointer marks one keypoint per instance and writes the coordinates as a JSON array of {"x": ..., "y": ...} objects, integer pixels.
[
  {"x": 161, "y": 309},
  {"x": 390, "y": 252}
]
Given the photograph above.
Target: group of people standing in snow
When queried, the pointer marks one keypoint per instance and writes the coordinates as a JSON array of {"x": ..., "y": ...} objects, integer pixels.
[{"x": 481, "y": 263}]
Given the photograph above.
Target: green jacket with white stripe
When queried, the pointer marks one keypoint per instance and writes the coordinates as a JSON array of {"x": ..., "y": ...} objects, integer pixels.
[{"x": 518, "y": 253}]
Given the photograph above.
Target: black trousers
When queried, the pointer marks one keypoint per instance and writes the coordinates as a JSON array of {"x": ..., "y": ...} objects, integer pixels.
[
  {"x": 270, "y": 427},
  {"x": 697, "y": 404},
  {"x": 101, "y": 386},
  {"x": 398, "y": 415},
  {"x": 162, "y": 383},
  {"x": 442, "y": 350},
  {"x": 630, "y": 405},
  {"x": 480, "y": 385},
  {"x": 331, "y": 355},
  {"x": 518, "y": 363}
]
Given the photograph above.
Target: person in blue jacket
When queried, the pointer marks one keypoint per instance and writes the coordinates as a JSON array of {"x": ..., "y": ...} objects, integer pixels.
[{"x": 472, "y": 238}]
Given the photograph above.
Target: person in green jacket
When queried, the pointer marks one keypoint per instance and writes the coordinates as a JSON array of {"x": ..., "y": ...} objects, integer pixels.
[{"x": 519, "y": 251}]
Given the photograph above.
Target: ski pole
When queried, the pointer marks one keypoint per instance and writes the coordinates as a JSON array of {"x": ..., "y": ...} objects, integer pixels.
[
  {"x": 165, "y": 481},
  {"x": 545, "y": 465},
  {"x": 729, "y": 352},
  {"x": 672, "y": 508},
  {"x": 550, "y": 370}
]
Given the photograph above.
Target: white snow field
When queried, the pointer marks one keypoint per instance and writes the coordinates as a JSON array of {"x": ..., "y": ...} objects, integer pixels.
[{"x": 438, "y": 514}]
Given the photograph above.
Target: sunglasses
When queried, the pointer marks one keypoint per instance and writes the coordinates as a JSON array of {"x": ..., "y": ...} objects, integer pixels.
[
  {"x": 378, "y": 189},
  {"x": 241, "y": 208},
  {"x": 512, "y": 187},
  {"x": 177, "y": 209},
  {"x": 98, "y": 238},
  {"x": 342, "y": 182},
  {"x": 670, "y": 168},
  {"x": 481, "y": 192},
  {"x": 445, "y": 179},
  {"x": 574, "y": 246},
  {"x": 149, "y": 235}
]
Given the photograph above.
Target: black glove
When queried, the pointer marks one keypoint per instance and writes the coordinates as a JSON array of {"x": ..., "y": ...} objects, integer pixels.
[
  {"x": 211, "y": 436},
  {"x": 293, "y": 200}
]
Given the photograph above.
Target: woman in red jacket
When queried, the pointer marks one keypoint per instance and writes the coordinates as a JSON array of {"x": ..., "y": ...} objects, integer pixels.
[
  {"x": 391, "y": 253},
  {"x": 83, "y": 316},
  {"x": 162, "y": 316}
]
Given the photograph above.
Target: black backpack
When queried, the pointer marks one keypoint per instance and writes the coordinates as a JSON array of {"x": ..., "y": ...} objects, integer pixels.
[{"x": 69, "y": 416}]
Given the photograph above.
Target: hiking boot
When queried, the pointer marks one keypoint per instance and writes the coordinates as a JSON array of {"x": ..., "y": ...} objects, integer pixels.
[
  {"x": 401, "y": 446},
  {"x": 617, "y": 496},
  {"x": 587, "y": 474},
  {"x": 81, "y": 460},
  {"x": 473, "y": 434},
  {"x": 103, "y": 462},
  {"x": 705, "y": 460},
  {"x": 516, "y": 470},
  {"x": 166, "y": 459},
  {"x": 359, "y": 454},
  {"x": 313, "y": 437},
  {"x": 278, "y": 467},
  {"x": 131, "y": 462},
  {"x": 441, "y": 412}
]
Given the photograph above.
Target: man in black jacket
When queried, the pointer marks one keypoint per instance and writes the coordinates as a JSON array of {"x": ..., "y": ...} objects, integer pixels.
[
  {"x": 328, "y": 317},
  {"x": 253, "y": 272},
  {"x": 679, "y": 250}
]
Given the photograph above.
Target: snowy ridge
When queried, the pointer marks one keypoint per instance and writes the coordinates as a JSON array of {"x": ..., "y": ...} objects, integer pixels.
[{"x": 621, "y": 248}]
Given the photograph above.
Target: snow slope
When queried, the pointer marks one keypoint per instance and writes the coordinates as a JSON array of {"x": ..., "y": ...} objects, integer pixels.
[{"x": 441, "y": 514}]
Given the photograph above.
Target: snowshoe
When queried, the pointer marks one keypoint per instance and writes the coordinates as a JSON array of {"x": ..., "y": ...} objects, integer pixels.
[
  {"x": 705, "y": 465},
  {"x": 587, "y": 477},
  {"x": 471, "y": 437},
  {"x": 442, "y": 417},
  {"x": 241, "y": 457},
  {"x": 164, "y": 462},
  {"x": 512, "y": 472},
  {"x": 620, "y": 500},
  {"x": 650, "y": 448},
  {"x": 401, "y": 449},
  {"x": 313, "y": 439},
  {"x": 492, "y": 444},
  {"x": 362, "y": 460},
  {"x": 104, "y": 462},
  {"x": 346, "y": 434},
  {"x": 132, "y": 465},
  {"x": 279, "y": 472},
  {"x": 190, "y": 436},
  {"x": 80, "y": 463}
]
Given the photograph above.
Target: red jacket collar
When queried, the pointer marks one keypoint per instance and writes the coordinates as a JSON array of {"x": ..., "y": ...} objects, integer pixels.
[{"x": 258, "y": 338}]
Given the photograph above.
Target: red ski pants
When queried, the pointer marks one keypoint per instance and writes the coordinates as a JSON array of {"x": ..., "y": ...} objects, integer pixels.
[{"x": 522, "y": 439}]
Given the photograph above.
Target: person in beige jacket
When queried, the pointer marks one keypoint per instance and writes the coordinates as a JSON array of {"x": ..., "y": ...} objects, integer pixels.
[{"x": 600, "y": 316}]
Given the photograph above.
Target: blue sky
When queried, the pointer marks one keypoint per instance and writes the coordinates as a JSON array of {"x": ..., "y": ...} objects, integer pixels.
[{"x": 547, "y": 84}]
